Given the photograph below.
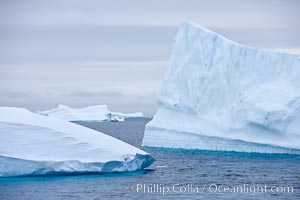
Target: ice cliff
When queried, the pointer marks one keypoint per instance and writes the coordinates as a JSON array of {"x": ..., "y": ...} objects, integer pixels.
[
  {"x": 33, "y": 144},
  {"x": 221, "y": 95}
]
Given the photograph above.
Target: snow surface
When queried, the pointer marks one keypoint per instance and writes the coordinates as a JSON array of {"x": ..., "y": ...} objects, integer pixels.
[
  {"x": 33, "y": 144},
  {"x": 220, "y": 95},
  {"x": 91, "y": 113}
]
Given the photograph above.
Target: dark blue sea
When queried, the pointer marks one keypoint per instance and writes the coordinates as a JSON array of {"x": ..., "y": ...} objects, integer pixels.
[{"x": 176, "y": 174}]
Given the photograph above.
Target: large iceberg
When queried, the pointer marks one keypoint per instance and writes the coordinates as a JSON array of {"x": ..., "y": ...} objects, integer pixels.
[
  {"x": 33, "y": 144},
  {"x": 221, "y": 95},
  {"x": 90, "y": 113}
]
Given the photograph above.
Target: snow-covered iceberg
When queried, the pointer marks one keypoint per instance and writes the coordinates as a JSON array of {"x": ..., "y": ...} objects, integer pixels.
[
  {"x": 220, "y": 95},
  {"x": 33, "y": 144},
  {"x": 90, "y": 113}
]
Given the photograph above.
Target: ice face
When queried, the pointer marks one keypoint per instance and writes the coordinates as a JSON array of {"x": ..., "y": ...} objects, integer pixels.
[
  {"x": 33, "y": 144},
  {"x": 220, "y": 95}
]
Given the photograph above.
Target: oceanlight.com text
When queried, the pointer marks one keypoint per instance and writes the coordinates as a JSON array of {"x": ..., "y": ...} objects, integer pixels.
[{"x": 251, "y": 189}]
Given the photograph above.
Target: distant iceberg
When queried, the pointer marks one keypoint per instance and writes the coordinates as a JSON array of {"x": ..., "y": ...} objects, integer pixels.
[
  {"x": 33, "y": 144},
  {"x": 90, "y": 113},
  {"x": 118, "y": 116},
  {"x": 220, "y": 95}
]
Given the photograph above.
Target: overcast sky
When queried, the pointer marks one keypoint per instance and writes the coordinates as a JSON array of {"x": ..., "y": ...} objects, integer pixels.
[{"x": 82, "y": 53}]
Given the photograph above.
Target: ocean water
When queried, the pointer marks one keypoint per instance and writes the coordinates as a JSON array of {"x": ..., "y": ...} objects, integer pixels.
[{"x": 176, "y": 174}]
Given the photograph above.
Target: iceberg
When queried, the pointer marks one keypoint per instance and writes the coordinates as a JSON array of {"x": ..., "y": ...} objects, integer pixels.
[
  {"x": 90, "y": 113},
  {"x": 224, "y": 96},
  {"x": 33, "y": 144},
  {"x": 118, "y": 116}
]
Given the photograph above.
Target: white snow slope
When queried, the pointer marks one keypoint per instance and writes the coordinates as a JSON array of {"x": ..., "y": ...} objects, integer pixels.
[
  {"x": 220, "y": 95},
  {"x": 33, "y": 144},
  {"x": 91, "y": 113}
]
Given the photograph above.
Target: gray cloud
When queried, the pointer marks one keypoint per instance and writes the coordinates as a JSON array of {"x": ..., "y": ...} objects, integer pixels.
[{"x": 40, "y": 86}]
